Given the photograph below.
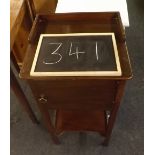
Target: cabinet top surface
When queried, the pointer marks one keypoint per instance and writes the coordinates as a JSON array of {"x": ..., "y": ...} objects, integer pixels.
[{"x": 78, "y": 23}]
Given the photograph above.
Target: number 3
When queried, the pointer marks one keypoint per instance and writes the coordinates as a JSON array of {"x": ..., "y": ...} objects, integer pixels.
[{"x": 55, "y": 53}]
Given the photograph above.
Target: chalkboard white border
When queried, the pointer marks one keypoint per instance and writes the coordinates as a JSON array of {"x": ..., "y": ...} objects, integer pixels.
[{"x": 118, "y": 72}]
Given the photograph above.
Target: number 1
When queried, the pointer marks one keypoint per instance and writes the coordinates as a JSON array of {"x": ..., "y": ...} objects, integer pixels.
[{"x": 96, "y": 51}]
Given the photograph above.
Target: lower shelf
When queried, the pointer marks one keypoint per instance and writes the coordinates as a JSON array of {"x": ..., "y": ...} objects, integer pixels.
[{"x": 75, "y": 120}]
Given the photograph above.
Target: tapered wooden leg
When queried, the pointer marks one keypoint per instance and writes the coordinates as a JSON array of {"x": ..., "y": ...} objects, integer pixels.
[
  {"x": 119, "y": 94},
  {"x": 105, "y": 119},
  {"x": 31, "y": 9},
  {"x": 47, "y": 121},
  {"x": 21, "y": 96}
]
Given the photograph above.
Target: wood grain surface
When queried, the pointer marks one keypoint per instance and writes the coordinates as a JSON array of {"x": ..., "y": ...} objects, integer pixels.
[{"x": 17, "y": 11}]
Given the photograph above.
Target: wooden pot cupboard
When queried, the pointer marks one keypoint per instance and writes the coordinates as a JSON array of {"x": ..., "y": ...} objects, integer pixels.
[{"x": 81, "y": 103}]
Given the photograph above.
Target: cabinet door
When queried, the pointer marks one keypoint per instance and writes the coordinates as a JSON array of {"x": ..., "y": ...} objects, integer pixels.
[{"x": 75, "y": 93}]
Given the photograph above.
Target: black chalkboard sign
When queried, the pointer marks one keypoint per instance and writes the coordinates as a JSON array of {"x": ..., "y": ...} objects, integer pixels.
[{"x": 85, "y": 54}]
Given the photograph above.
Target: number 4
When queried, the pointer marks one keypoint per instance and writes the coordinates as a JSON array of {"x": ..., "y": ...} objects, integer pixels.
[{"x": 76, "y": 52}]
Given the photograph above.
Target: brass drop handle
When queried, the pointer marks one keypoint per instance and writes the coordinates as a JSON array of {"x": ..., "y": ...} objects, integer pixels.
[{"x": 42, "y": 98}]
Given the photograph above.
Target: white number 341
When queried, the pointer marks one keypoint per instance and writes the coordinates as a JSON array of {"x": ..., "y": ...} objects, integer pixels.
[{"x": 55, "y": 52}]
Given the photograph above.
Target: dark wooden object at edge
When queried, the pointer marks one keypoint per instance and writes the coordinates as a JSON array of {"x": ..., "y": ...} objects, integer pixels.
[{"x": 21, "y": 23}]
